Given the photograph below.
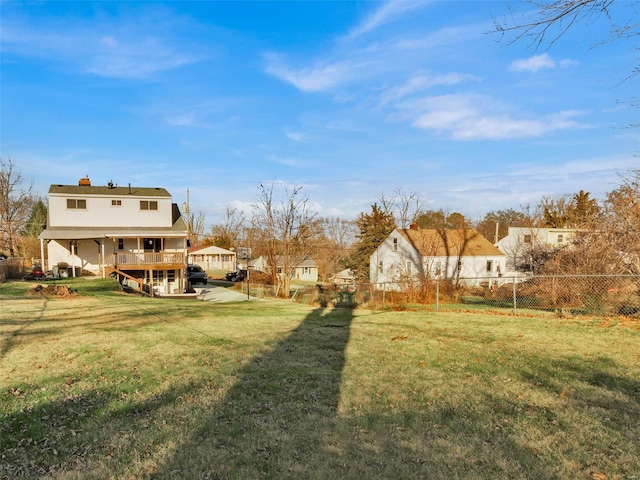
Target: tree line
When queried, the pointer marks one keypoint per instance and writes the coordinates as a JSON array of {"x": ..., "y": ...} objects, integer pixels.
[{"x": 283, "y": 228}]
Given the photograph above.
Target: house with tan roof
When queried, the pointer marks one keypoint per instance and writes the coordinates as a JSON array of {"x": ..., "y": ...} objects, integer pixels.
[
  {"x": 136, "y": 233},
  {"x": 458, "y": 254},
  {"x": 210, "y": 257}
]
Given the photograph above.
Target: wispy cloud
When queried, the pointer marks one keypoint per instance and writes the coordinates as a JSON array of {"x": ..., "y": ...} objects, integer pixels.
[
  {"x": 419, "y": 83},
  {"x": 296, "y": 136},
  {"x": 127, "y": 47},
  {"x": 388, "y": 12},
  {"x": 319, "y": 77},
  {"x": 134, "y": 57},
  {"x": 475, "y": 117}
]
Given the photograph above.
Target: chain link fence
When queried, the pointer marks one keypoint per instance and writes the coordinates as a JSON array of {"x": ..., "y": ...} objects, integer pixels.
[{"x": 562, "y": 294}]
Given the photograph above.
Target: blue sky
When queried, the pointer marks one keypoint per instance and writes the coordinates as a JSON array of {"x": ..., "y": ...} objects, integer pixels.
[{"x": 351, "y": 100}]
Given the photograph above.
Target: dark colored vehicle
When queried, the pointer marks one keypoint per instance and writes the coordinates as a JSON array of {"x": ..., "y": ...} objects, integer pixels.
[
  {"x": 237, "y": 276},
  {"x": 195, "y": 274}
]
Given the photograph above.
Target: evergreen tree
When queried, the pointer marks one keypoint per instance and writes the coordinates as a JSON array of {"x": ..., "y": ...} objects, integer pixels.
[{"x": 373, "y": 229}]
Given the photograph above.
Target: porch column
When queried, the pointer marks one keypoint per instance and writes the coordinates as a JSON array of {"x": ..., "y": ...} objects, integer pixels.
[
  {"x": 44, "y": 267},
  {"x": 104, "y": 268},
  {"x": 73, "y": 259}
]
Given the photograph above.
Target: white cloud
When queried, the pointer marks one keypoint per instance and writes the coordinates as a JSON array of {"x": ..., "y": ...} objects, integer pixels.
[
  {"x": 134, "y": 58},
  {"x": 115, "y": 48},
  {"x": 388, "y": 12},
  {"x": 533, "y": 64},
  {"x": 475, "y": 117},
  {"x": 320, "y": 77},
  {"x": 420, "y": 83},
  {"x": 296, "y": 136}
]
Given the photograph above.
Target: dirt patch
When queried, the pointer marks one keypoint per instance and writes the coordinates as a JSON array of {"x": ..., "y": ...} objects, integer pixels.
[{"x": 52, "y": 291}]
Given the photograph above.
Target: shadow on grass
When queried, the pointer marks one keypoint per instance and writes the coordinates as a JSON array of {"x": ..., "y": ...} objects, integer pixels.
[{"x": 273, "y": 421}]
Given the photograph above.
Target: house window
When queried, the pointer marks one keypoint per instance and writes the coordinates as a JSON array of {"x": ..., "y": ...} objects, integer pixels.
[
  {"x": 305, "y": 270},
  {"x": 380, "y": 267},
  {"x": 560, "y": 238},
  {"x": 489, "y": 265},
  {"x": 158, "y": 278},
  {"x": 438, "y": 269},
  {"x": 459, "y": 265},
  {"x": 527, "y": 239},
  {"x": 395, "y": 244},
  {"x": 148, "y": 205},
  {"x": 77, "y": 203},
  {"x": 116, "y": 203},
  {"x": 121, "y": 244}
]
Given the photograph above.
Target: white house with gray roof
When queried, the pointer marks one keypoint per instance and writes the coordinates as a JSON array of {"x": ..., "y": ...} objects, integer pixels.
[{"x": 135, "y": 232}]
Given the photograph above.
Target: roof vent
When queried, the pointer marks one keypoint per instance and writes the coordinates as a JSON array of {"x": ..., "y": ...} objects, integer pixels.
[{"x": 85, "y": 181}]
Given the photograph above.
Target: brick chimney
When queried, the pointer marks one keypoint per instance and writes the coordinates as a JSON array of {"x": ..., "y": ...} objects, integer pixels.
[
  {"x": 414, "y": 226},
  {"x": 85, "y": 181}
]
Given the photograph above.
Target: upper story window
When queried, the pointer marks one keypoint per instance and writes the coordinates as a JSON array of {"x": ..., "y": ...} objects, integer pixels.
[
  {"x": 527, "y": 239},
  {"x": 148, "y": 205},
  {"x": 560, "y": 238},
  {"x": 77, "y": 203},
  {"x": 489, "y": 265},
  {"x": 395, "y": 244},
  {"x": 116, "y": 203}
]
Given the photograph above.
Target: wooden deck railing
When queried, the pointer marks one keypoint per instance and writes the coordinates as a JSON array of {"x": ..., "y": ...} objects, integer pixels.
[{"x": 146, "y": 259}]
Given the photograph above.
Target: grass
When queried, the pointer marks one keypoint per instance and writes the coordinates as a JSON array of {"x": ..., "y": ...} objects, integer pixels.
[{"x": 107, "y": 385}]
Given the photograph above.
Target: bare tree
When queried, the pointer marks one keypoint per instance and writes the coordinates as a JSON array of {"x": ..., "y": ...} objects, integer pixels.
[
  {"x": 15, "y": 206},
  {"x": 553, "y": 19},
  {"x": 287, "y": 225},
  {"x": 196, "y": 226},
  {"x": 227, "y": 234},
  {"x": 338, "y": 235},
  {"x": 404, "y": 205}
]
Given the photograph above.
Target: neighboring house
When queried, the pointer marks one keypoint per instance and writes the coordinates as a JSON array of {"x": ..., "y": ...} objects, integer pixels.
[
  {"x": 305, "y": 270},
  {"x": 415, "y": 254},
  {"x": 212, "y": 258},
  {"x": 345, "y": 277},
  {"x": 135, "y": 232},
  {"x": 520, "y": 242}
]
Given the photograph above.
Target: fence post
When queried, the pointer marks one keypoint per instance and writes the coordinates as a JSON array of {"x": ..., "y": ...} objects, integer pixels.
[
  {"x": 514, "y": 295},
  {"x": 384, "y": 291},
  {"x": 437, "y": 294}
]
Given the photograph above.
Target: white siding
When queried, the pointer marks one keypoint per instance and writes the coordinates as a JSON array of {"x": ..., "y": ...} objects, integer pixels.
[{"x": 100, "y": 212}]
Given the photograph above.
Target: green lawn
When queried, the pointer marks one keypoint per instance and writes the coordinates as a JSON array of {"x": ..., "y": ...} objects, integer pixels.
[{"x": 108, "y": 385}]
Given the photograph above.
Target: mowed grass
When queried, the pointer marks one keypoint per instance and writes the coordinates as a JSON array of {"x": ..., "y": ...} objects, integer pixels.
[{"x": 108, "y": 385}]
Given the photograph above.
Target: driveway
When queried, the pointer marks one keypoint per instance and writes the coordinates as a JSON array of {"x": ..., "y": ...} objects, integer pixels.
[{"x": 213, "y": 293}]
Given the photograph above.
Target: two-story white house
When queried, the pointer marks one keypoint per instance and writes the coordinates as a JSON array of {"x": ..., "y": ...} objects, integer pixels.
[
  {"x": 414, "y": 254},
  {"x": 134, "y": 232},
  {"x": 520, "y": 242}
]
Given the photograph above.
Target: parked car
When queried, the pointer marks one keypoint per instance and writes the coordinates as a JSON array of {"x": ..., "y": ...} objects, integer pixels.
[
  {"x": 237, "y": 276},
  {"x": 195, "y": 274}
]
